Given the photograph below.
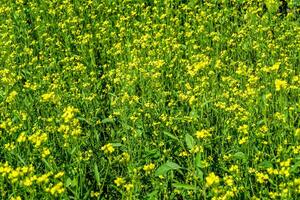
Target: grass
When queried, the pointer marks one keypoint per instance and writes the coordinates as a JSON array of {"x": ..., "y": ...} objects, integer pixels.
[{"x": 149, "y": 99}]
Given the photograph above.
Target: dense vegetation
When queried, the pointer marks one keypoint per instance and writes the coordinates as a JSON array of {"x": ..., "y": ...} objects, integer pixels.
[{"x": 133, "y": 99}]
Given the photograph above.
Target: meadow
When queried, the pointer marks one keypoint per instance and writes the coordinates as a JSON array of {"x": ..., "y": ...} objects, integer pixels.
[{"x": 156, "y": 99}]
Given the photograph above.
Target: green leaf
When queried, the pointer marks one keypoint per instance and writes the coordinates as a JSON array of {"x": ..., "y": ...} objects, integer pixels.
[
  {"x": 116, "y": 144},
  {"x": 172, "y": 165},
  {"x": 68, "y": 182},
  {"x": 153, "y": 153},
  {"x": 265, "y": 164},
  {"x": 294, "y": 3},
  {"x": 47, "y": 164},
  {"x": 184, "y": 186},
  {"x": 171, "y": 135},
  {"x": 199, "y": 173},
  {"x": 240, "y": 156},
  {"x": 272, "y": 5},
  {"x": 189, "y": 140},
  {"x": 152, "y": 195},
  {"x": 294, "y": 168},
  {"x": 198, "y": 161},
  {"x": 107, "y": 120},
  {"x": 96, "y": 172},
  {"x": 85, "y": 120},
  {"x": 165, "y": 168}
]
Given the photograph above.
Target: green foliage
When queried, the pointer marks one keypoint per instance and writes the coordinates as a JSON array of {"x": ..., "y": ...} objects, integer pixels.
[{"x": 156, "y": 99}]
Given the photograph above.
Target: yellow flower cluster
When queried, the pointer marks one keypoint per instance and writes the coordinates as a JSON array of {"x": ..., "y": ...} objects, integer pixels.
[{"x": 108, "y": 148}]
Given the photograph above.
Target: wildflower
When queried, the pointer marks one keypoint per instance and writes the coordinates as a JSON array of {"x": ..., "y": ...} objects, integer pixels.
[
  {"x": 264, "y": 129},
  {"x": 108, "y": 148},
  {"x": 197, "y": 149},
  {"x": 11, "y": 96},
  {"x": 280, "y": 84},
  {"x": 119, "y": 181},
  {"x": 45, "y": 152},
  {"x": 69, "y": 113},
  {"x": 243, "y": 129},
  {"x": 95, "y": 194},
  {"x": 59, "y": 174},
  {"x": 184, "y": 154},
  {"x": 261, "y": 177},
  {"x": 128, "y": 186},
  {"x": 234, "y": 168},
  {"x": 268, "y": 96},
  {"x": 16, "y": 198},
  {"x": 44, "y": 178},
  {"x": 212, "y": 179},
  {"x": 56, "y": 189},
  {"x": 243, "y": 140},
  {"x": 229, "y": 180},
  {"x": 27, "y": 181},
  {"x": 48, "y": 97},
  {"x": 125, "y": 157},
  {"x": 149, "y": 167},
  {"x": 203, "y": 134},
  {"x": 22, "y": 137}
]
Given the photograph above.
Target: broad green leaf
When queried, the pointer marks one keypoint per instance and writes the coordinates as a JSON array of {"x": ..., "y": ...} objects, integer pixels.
[
  {"x": 199, "y": 173},
  {"x": 68, "y": 182},
  {"x": 172, "y": 165},
  {"x": 240, "y": 156},
  {"x": 165, "y": 168},
  {"x": 265, "y": 164},
  {"x": 198, "y": 160},
  {"x": 189, "y": 140},
  {"x": 153, "y": 153}
]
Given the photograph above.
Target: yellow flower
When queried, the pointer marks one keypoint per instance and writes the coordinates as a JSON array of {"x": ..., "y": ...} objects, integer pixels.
[
  {"x": 56, "y": 189},
  {"x": 11, "y": 96},
  {"x": 212, "y": 179},
  {"x": 243, "y": 129},
  {"x": 45, "y": 152},
  {"x": 59, "y": 174},
  {"x": 184, "y": 154},
  {"x": 261, "y": 178},
  {"x": 95, "y": 194},
  {"x": 125, "y": 157},
  {"x": 27, "y": 182},
  {"x": 69, "y": 113},
  {"x": 119, "y": 181},
  {"x": 128, "y": 186},
  {"x": 243, "y": 140},
  {"x": 22, "y": 137},
  {"x": 149, "y": 167},
  {"x": 16, "y": 198},
  {"x": 280, "y": 84},
  {"x": 268, "y": 96},
  {"x": 48, "y": 97},
  {"x": 43, "y": 178},
  {"x": 203, "y": 134},
  {"x": 229, "y": 180},
  {"x": 108, "y": 148}
]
